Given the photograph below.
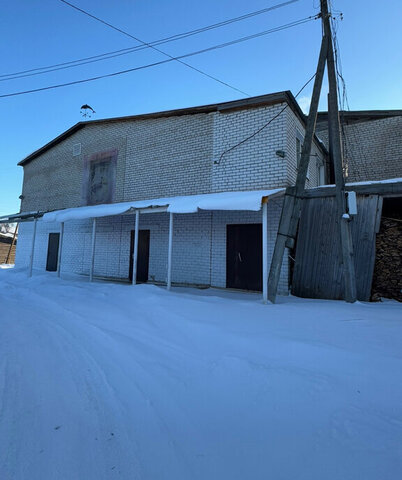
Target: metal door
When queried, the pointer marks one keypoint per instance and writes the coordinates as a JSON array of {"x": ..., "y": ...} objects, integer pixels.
[
  {"x": 244, "y": 256},
  {"x": 52, "y": 252},
  {"x": 143, "y": 256}
]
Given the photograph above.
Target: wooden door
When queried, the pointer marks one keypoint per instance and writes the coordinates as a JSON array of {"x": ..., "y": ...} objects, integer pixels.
[
  {"x": 143, "y": 256},
  {"x": 244, "y": 256},
  {"x": 52, "y": 252}
]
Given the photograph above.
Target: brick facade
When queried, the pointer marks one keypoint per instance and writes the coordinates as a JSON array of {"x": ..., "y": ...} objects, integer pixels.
[
  {"x": 199, "y": 245},
  {"x": 372, "y": 146},
  {"x": 158, "y": 157}
]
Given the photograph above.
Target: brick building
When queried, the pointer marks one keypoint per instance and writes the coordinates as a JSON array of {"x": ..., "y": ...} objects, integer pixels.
[
  {"x": 192, "y": 151},
  {"x": 372, "y": 143}
]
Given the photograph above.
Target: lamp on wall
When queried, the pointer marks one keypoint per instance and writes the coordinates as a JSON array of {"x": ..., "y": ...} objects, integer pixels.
[{"x": 280, "y": 153}]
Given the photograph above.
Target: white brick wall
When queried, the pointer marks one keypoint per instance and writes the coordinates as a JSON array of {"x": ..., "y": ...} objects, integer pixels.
[
  {"x": 295, "y": 128},
  {"x": 254, "y": 164},
  {"x": 372, "y": 148},
  {"x": 156, "y": 158},
  {"x": 199, "y": 245}
]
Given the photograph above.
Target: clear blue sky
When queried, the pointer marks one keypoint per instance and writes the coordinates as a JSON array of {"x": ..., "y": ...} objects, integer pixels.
[{"x": 43, "y": 32}]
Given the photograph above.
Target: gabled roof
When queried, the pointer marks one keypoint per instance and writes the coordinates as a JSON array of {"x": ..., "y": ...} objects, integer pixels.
[{"x": 252, "y": 102}]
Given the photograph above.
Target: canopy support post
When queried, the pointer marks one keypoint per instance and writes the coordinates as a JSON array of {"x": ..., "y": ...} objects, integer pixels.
[
  {"x": 135, "y": 253},
  {"x": 31, "y": 259},
  {"x": 265, "y": 252},
  {"x": 91, "y": 271},
  {"x": 169, "y": 268},
  {"x": 60, "y": 249}
]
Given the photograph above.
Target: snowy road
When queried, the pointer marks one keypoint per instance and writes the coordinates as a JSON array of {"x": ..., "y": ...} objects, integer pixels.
[{"x": 103, "y": 381}]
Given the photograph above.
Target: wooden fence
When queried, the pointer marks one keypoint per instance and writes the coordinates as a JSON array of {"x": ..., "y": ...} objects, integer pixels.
[{"x": 318, "y": 261}]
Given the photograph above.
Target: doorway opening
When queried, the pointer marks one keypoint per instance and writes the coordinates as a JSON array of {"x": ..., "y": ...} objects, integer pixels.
[
  {"x": 143, "y": 256},
  {"x": 244, "y": 256}
]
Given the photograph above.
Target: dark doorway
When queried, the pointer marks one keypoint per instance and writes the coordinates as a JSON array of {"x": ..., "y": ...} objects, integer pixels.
[
  {"x": 143, "y": 256},
  {"x": 52, "y": 252},
  {"x": 244, "y": 256}
]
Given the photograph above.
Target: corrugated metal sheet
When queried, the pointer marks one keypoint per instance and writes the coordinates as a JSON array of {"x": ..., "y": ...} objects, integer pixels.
[{"x": 318, "y": 262}]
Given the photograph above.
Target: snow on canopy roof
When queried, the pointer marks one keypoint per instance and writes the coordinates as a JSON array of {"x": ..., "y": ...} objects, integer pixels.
[
  {"x": 367, "y": 182},
  {"x": 250, "y": 200}
]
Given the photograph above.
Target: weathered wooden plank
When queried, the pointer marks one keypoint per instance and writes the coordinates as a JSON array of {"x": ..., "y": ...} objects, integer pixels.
[
  {"x": 318, "y": 261},
  {"x": 363, "y": 236}
]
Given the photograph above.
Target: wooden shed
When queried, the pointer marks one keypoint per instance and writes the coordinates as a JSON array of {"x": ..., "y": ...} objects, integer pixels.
[
  {"x": 6, "y": 242},
  {"x": 377, "y": 243}
]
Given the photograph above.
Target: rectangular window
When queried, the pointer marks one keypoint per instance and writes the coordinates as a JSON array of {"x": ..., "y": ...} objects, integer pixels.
[
  {"x": 298, "y": 151},
  {"x": 99, "y": 187},
  {"x": 321, "y": 175},
  {"x": 99, "y": 178}
]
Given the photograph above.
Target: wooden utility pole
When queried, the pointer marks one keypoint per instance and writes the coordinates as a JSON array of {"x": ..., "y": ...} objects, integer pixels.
[
  {"x": 349, "y": 275},
  {"x": 292, "y": 202}
]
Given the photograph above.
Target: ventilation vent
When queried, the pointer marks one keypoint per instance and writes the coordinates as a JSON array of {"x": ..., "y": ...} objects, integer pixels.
[{"x": 76, "y": 149}]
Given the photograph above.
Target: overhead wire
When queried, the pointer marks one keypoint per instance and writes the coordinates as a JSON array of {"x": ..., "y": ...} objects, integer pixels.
[
  {"x": 171, "y": 57},
  {"x": 162, "y": 62},
  {"x": 344, "y": 103},
  {"x": 256, "y": 132},
  {"x": 125, "y": 51}
]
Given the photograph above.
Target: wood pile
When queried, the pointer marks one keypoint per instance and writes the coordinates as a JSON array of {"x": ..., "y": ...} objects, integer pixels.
[
  {"x": 4, "y": 249},
  {"x": 387, "y": 279}
]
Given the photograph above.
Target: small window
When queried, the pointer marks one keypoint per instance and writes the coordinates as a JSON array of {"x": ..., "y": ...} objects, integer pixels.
[
  {"x": 321, "y": 174},
  {"x": 76, "y": 149},
  {"x": 298, "y": 151}
]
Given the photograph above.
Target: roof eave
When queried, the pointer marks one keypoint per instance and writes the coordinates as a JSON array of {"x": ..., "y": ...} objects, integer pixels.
[
  {"x": 52, "y": 142},
  {"x": 253, "y": 102}
]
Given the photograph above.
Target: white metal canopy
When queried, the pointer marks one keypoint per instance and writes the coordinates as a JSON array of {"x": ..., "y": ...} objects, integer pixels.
[
  {"x": 247, "y": 200},
  {"x": 252, "y": 200}
]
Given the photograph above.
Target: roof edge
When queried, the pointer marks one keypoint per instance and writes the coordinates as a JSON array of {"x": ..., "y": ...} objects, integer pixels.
[
  {"x": 361, "y": 114},
  {"x": 252, "y": 102}
]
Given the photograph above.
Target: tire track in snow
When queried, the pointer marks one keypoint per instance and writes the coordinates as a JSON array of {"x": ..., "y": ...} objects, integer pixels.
[
  {"x": 73, "y": 342},
  {"x": 84, "y": 388}
]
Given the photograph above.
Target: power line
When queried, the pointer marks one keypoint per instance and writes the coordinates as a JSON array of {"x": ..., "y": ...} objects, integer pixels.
[
  {"x": 125, "y": 51},
  {"x": 162, "y": 62},
  {"x": 344, "y": 102},
  {"x": 177, "y": 59},
  {"x": 217, "y": 162}
]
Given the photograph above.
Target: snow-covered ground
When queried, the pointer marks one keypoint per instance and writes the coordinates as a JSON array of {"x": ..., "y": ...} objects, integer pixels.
[{"x": 103, "y": 381}]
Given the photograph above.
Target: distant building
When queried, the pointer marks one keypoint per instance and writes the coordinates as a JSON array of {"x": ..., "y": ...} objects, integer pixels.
[{"x": 372, "y": 143}]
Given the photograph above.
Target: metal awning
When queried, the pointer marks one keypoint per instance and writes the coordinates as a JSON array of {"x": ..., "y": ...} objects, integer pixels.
[
  {"x": 251, "y": 200},
  {"x": 21, "y": 217}
]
